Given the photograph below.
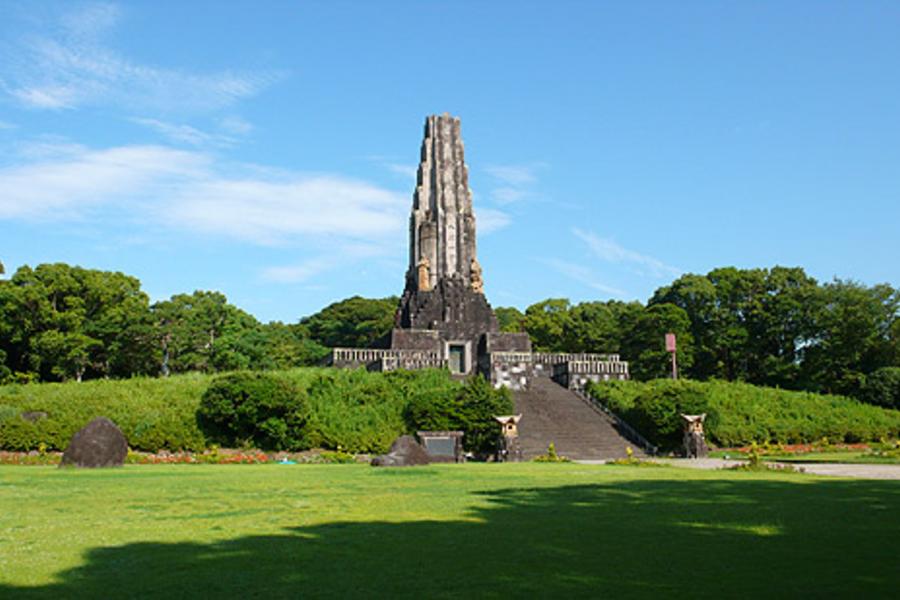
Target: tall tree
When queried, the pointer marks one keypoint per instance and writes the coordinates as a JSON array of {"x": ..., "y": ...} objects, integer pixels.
[
  {"x": 354, "y": 322},
  {"x": 549, "y": 324}
]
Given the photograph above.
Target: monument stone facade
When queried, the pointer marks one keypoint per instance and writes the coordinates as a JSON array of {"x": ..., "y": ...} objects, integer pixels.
[{"x": 444, "y": 319}]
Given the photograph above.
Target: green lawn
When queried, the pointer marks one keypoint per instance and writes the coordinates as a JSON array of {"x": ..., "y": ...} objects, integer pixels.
[{"x": 479, "y": 530}]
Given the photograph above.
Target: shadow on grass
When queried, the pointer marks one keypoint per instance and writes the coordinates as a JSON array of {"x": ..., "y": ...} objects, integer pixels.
[{"x": 635, "y": 539}]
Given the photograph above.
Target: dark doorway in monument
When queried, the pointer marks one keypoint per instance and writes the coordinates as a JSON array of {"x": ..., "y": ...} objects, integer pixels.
[{"x": 456, "y": 355}]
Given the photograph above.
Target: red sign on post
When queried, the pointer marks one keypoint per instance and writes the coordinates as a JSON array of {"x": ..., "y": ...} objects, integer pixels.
[{"x": 670, "y": 342}]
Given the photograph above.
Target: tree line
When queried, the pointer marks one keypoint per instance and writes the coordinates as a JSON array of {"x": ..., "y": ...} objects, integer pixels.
[
  {"x": 60, "y": 322},
  {"x": 777, "y": 327}
]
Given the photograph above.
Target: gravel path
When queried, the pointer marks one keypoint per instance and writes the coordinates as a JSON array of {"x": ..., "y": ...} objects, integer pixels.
[{"x": 833, "y": 469}]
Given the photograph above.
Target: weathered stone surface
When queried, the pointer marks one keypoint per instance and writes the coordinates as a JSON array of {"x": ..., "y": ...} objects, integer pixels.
[
  {"x": 404, "y": 452},
  {"x": 442, "y": 244},
  {"x": 100, "y": 443}
]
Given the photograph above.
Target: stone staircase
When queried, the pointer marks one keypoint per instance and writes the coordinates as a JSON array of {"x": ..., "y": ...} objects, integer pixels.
[{"x": 580, "y": 431}]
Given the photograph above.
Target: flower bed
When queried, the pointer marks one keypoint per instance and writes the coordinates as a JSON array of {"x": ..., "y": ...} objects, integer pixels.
[{"x": 215, "y": 456}]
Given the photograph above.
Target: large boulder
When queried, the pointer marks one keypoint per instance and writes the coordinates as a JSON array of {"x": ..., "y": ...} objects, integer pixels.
[
  {"x": 404, "y": 452},
  {"x": 98, "y": 444}
]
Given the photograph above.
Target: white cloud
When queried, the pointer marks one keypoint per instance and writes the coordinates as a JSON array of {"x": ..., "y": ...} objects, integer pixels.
[
  {"x": 235, "y": 125},
  {"x": 271, "y": 212},
  {"x": 66, "y": 181},
  {"x": 506, "y": 195},
  {"x": 513, "y": 182},
  {"x": 185, "y": 134},
  {"x": 608, "y": 250},
  {"x": 187, "y": 190},
  {"x": 66, "y": 67},
  {"x": 583, "y": 275},
  {"x": 306, "y": 269},
  {"x": 489, "y": 220},
  {"x": 406, "y": 171},
  {"x": 297, "y": 273},
  {"x": 515, "y": 175}
]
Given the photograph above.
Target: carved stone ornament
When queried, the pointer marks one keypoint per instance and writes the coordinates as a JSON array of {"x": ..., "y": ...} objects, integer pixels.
[
  {"x": 424, "y": 276},
  {"x": 475, "y": 277}
]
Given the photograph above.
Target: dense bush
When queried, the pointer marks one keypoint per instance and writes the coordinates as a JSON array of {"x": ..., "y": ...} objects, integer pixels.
[
  {"x": 739, "y": 413},
  {"x": 153, "y": 414},
  {"x": 882, "y": 387},
  {"x": 253, "y": 409},
  {"x": 347, "y": 410},
  {"x": 470, "y": 409}
]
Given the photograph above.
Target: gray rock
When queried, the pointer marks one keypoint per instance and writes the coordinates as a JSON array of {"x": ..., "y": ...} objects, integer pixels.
[
  {"x": 100, "y": 443},
  {"x": 33, "y": 416},
  {"x": 404, "y": 452}
]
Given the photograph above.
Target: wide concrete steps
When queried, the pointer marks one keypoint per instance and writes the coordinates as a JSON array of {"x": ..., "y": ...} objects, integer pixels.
[{"x": 552, "y": 413}]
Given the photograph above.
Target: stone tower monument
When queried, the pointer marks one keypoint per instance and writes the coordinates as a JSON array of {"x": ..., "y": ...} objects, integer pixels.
[
  {"x": 443, "y": 307},
  {"x": 444, "y": 289},
  {"x": 444, "y": 320}
]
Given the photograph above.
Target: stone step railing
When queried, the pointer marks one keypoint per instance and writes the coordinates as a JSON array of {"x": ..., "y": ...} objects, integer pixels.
[
  {"x": 369, "y": 355},
  {"x": 585, "y": 367},
  {"x": 627, "y": 430},
  {"x": 552, "y": 358},
  {"x": 392, "y": 363}
]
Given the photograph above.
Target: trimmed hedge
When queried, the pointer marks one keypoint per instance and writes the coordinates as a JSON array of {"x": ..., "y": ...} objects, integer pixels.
[{"x": 740, "y": 413}]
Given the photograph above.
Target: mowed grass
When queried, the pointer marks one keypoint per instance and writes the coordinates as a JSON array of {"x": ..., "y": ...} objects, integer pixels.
[{"x": 479, "y": 530}]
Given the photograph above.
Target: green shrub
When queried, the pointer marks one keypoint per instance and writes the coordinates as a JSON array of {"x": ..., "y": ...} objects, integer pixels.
[
  {"x": 363, "y": 412},
  {"x": 882, "y": 387},
  {"x": 253, "y": 409},
  {"x": 552, "y": 456},
  {"x": 153, "y": 413},
  {"x": 470, "y": 409},
  {"x": 738, "y": 413}
]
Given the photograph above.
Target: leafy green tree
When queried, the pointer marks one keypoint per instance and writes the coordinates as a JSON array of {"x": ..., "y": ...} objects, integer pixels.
[
  {"x": 882, "y": 387},
  {"x": 289, "y": 346},
  {"x": 549, "y": 324},
  {"x": 203, "y": 332},
  {"x": 853, "y": 336},
  {"x": 510, "y": 319},
  {"x": 60, "y": 321},
  {"x": 644, "y": 342},
  {"x": 355, "y": 322}
]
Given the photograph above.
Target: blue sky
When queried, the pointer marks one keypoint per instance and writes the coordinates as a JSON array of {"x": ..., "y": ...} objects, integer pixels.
[{"x": 268, "y": 149}]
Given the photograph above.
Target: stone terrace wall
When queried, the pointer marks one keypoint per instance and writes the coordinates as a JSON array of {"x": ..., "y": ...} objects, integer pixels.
[
  {"x": 375, "y": 359},
  {"x": 576, "y": 374}
]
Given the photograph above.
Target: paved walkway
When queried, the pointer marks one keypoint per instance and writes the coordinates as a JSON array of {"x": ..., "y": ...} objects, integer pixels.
[{"x": 832, "y": 469}]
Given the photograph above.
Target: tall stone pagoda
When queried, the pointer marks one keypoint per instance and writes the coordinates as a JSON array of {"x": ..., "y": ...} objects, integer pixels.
[{"x": 444, "y": 319}]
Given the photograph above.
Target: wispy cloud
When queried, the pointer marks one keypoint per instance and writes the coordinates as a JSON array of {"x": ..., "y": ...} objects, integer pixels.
[
  {"x": 407, "y": 171},
  {"x": 300, "y": 272},
  {"x": 610, "y": 251},
  {"x": 66, "y": 181},
  {"x": 306, "y": 269},
  {"x": 180, "y": 133},
  {"x": 517, "y": 175},
  {"x": 490, "y": 220},
  {"x": 271, "y": 212},
  {"x": 5, "y": 125},
  {"x": 66, "y": 65},
  {"x": 512, "y": 182},
  {"x": 583, "y": 275},
  {"x": 188, "y": 190}
]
